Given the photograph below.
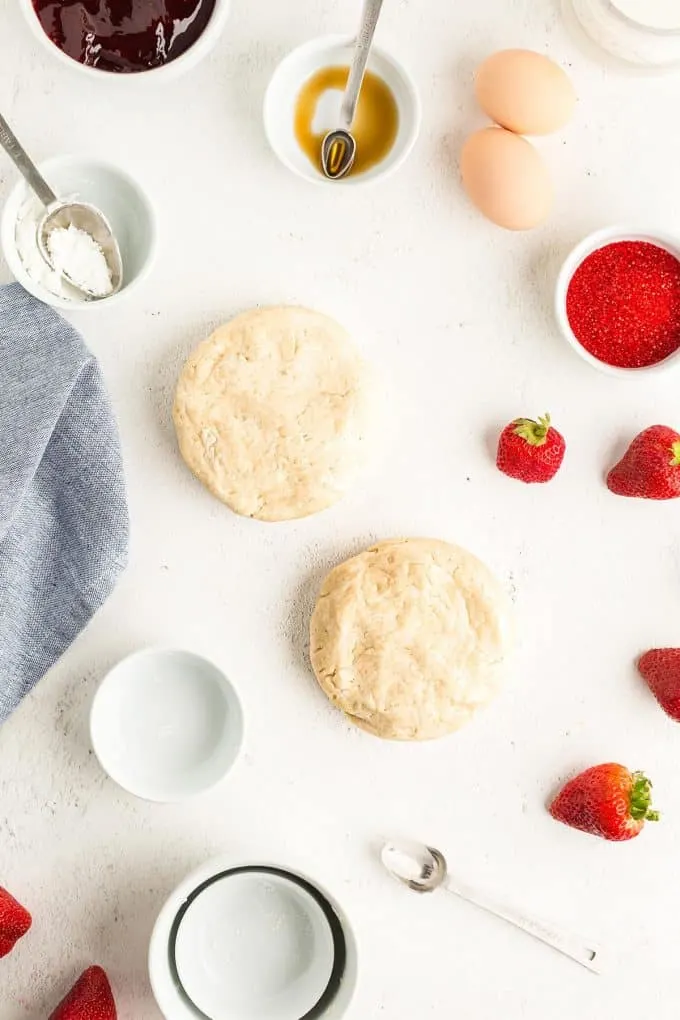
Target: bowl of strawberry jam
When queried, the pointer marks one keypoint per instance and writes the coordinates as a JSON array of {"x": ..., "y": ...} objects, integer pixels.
[
  {"x": 618, "y": 301},
  {"x": 126, "y": 38}
]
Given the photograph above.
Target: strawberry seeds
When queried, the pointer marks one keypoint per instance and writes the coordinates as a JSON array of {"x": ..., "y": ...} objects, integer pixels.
[{"x": 623, "y": 304}]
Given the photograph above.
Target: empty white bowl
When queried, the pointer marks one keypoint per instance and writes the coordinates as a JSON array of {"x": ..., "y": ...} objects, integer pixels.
[
  {"x": 119, "y": 197},
  {"x": 284, "y": 89},
  {"x": 173, "y": 69},
  {"x": 594, "y": 241},
  {"x": 166, "y": 724},
  {"x": 254, "y": 946},
  {"x": 252, "y": 942}
]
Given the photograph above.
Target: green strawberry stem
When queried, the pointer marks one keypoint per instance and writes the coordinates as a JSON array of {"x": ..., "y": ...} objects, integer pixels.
[
  {"x": 641, "y": 799},
  {"x": 675, "y": 459},
  {"x": 535, "y": 432}
]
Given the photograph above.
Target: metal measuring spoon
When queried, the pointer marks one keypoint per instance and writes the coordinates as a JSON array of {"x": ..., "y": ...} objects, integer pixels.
[
  {"x": 82, "y": 215},
  {"x": 424, "y": 869},
  {"x": 339, "y": 147}
]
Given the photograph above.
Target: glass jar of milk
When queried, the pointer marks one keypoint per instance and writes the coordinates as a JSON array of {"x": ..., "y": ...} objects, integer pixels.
[{"x": 641, "y": 32}]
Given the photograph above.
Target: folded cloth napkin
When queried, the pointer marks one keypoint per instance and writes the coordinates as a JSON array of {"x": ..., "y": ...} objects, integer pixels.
[{"x": 63, "y": 512}]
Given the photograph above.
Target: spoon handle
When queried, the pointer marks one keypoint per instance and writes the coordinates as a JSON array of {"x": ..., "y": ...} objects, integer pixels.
[
  {"x": 25, "y": 164},
  {"x": 369, "y": 20},
  {"x": 577, "y": 949}
]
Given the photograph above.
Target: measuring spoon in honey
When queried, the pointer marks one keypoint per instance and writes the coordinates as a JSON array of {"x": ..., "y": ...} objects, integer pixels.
[{"x": 339, "y": 147}]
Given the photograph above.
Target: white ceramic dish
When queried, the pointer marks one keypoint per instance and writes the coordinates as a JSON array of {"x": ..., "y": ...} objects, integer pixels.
[
  {"x": 268, "y": 962},
  {"x": 119, "y": 197},
  {"x": 599, "y": 239},
  {"x": 173, "y": 69},
  {"x": 254, "y": 946},
  {"x": 166, "y": 724},
  {"x": 297, "y": 68},
  {"x": 611, "y": 30}
]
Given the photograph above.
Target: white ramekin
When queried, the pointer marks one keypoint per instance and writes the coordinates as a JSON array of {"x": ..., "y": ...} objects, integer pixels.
[
  {"x": 600, "y": 239},
  {"x": 173, "y": 69},
  {"x": 284, "y": 88},
  {"x": 165, "y": 983},
  {"x": 166, "y": 724},
  {"x": 632, "y": 44},
  {"x": 123, "y": 202}
]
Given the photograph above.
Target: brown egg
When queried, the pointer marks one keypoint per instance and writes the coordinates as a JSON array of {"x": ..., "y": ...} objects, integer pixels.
[
  {"x": 525, "y": 92},
  {"x": 506, "y": 179}
]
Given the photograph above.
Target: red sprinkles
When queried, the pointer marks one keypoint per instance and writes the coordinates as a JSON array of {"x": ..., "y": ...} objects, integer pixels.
[{"x": 623, "y": 304}]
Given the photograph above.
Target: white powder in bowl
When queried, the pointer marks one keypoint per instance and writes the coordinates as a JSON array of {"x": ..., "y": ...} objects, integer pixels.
[
  {"x": 36, "y": 267},
  {"x": 77, "y": 254},
  {"x": 72, "y": 250}
]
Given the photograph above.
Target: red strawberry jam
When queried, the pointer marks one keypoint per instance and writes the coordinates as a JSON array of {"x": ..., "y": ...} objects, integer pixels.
[{"x": 124, "y": 35}]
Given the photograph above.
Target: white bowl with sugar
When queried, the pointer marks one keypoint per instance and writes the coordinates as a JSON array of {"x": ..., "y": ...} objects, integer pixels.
[{"x": 112, "y": 190}]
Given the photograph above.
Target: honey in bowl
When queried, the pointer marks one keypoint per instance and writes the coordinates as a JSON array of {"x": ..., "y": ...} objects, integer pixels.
[{"x": 375, "y": 125}]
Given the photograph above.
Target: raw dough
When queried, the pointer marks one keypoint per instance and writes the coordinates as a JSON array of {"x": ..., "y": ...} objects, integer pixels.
[
  {"x": 408, "y": 638},
  {"x": 272, "y": 412}
]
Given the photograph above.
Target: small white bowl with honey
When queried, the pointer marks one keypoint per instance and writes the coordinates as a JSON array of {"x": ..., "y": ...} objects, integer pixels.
[{"x": 302, "y": 104}]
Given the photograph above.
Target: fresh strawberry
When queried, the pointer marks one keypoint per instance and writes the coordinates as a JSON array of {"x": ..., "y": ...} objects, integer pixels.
[
  {"x": 607, "y": 801},
  {"x": 650, "y": 467},
  {"x": 660, "y": 668},
  {"x": 15, "y": 921},
  {"x": 531, "y": 451},
  {"x": 90, "y": 998}
]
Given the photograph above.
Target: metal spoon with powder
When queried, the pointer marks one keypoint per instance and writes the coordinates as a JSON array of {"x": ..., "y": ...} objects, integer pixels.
[
  {"x": 424, "y": 869},
  {"x": 70, "y": 232},
  {"x": 339, "y": 147}
]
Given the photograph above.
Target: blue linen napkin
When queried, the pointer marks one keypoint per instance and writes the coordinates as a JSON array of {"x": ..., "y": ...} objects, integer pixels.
[{"x": 63, "y": 511}]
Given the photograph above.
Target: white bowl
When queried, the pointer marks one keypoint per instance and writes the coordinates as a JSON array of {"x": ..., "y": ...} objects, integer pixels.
[
  {"x": 173, "y": 69},
  {"x": 119, "y": 197},
  {"x": 254, "y": 946},
  {"x": 166, "y": 724},
  {"x": 600, "y": 239},
  {"x": 266, "y": 931},
  {"x": 606, "y": 31},
  {"x": 284, "y": 88}
]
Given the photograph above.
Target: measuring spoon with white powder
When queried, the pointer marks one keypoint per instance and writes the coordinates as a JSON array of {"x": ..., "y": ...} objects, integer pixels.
[{"x": 74, "y": 238}]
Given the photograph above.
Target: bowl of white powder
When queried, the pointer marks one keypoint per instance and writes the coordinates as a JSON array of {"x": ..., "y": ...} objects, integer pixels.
[{"x": 122, "y": 201}]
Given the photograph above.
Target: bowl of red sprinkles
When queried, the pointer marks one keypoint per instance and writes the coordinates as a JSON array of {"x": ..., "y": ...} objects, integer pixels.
[{"x": 618, "y": 300}]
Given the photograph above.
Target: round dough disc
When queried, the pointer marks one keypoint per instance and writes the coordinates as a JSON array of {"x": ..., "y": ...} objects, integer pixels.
[
  {"x": 408, "y": 638},
  {"x": 272, "y": 412}
]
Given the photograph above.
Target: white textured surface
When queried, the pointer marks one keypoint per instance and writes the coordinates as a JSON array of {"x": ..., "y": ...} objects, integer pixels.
[{"x": 458, "y": 316}]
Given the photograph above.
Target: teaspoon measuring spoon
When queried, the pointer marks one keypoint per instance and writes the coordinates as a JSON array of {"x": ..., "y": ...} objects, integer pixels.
[
  {"x": 339, "y": 147},
  {"x": 424, "y": 869},
  {"x": 64, "y": 214}
]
